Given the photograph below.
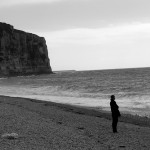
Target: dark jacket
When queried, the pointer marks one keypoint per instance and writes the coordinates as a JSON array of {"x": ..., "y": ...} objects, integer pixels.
[{"x": 114, "y": 109}]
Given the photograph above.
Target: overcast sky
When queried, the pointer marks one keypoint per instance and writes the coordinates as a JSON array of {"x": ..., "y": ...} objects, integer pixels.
[{"x": 86, "y": 34}]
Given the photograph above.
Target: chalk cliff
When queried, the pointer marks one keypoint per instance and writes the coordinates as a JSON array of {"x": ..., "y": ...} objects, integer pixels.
[{"x": 22, "y": 53}]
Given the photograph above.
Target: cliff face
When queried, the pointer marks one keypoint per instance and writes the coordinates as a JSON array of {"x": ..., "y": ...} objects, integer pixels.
[{"x": 22, "y": 53}]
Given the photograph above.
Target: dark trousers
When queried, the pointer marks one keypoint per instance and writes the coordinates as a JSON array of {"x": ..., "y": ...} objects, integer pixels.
[{"x": 114, "y": 123}]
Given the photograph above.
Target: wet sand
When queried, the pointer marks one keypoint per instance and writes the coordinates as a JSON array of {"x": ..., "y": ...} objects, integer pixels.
[{"x": 43, "y": 125}]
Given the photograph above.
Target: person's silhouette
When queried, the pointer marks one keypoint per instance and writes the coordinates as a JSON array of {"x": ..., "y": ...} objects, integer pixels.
[{"x": 115, "y": 113}]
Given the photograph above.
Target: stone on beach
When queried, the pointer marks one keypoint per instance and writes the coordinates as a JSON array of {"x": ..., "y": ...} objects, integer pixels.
[{"x": 10, "y": 136}]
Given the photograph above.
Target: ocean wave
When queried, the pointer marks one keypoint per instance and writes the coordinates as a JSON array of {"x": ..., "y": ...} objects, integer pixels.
[{"x": 131, "y": 89}]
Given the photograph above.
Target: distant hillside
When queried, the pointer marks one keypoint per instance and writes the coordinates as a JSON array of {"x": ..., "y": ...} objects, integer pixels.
[{"x": 63, "y": 71}]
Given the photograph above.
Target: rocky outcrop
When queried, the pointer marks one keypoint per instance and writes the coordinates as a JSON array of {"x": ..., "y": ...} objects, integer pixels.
[{"x": 22, "y": 53}]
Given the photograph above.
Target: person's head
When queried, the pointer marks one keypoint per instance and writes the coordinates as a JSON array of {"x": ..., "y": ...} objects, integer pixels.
[{"x": 112, "y": 97}]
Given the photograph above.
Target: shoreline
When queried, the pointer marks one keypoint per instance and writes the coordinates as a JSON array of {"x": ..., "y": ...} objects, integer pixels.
[
  {"x": 143, "y": 121},
  {"x": 88, "y": 102},
  {"x": 44, "y": 125}
]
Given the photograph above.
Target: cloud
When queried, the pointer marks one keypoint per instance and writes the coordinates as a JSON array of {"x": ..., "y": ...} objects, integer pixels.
[
  {"x": 50, "y": 15},
  {"x": 120, "y": 46},
  {"x": 100, "y": 36},
  {"x": 22, "y": 2},
  {"x": 5, "y": 3}
]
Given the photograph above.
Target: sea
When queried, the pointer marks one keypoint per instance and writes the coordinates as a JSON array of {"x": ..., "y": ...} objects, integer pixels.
[{"x": 90, "y": 89}]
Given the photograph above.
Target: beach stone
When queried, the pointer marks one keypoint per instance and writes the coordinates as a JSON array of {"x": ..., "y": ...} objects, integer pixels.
[
  {"x": 10, "y": 136},
  {"x": 122, "y": 146}
]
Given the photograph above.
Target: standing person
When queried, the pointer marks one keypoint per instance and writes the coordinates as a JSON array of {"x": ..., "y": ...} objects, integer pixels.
[{"x": 115, "y": 113}]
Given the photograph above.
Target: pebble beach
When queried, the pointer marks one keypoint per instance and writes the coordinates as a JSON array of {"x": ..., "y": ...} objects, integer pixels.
[{"x": 42, "y": 125}]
